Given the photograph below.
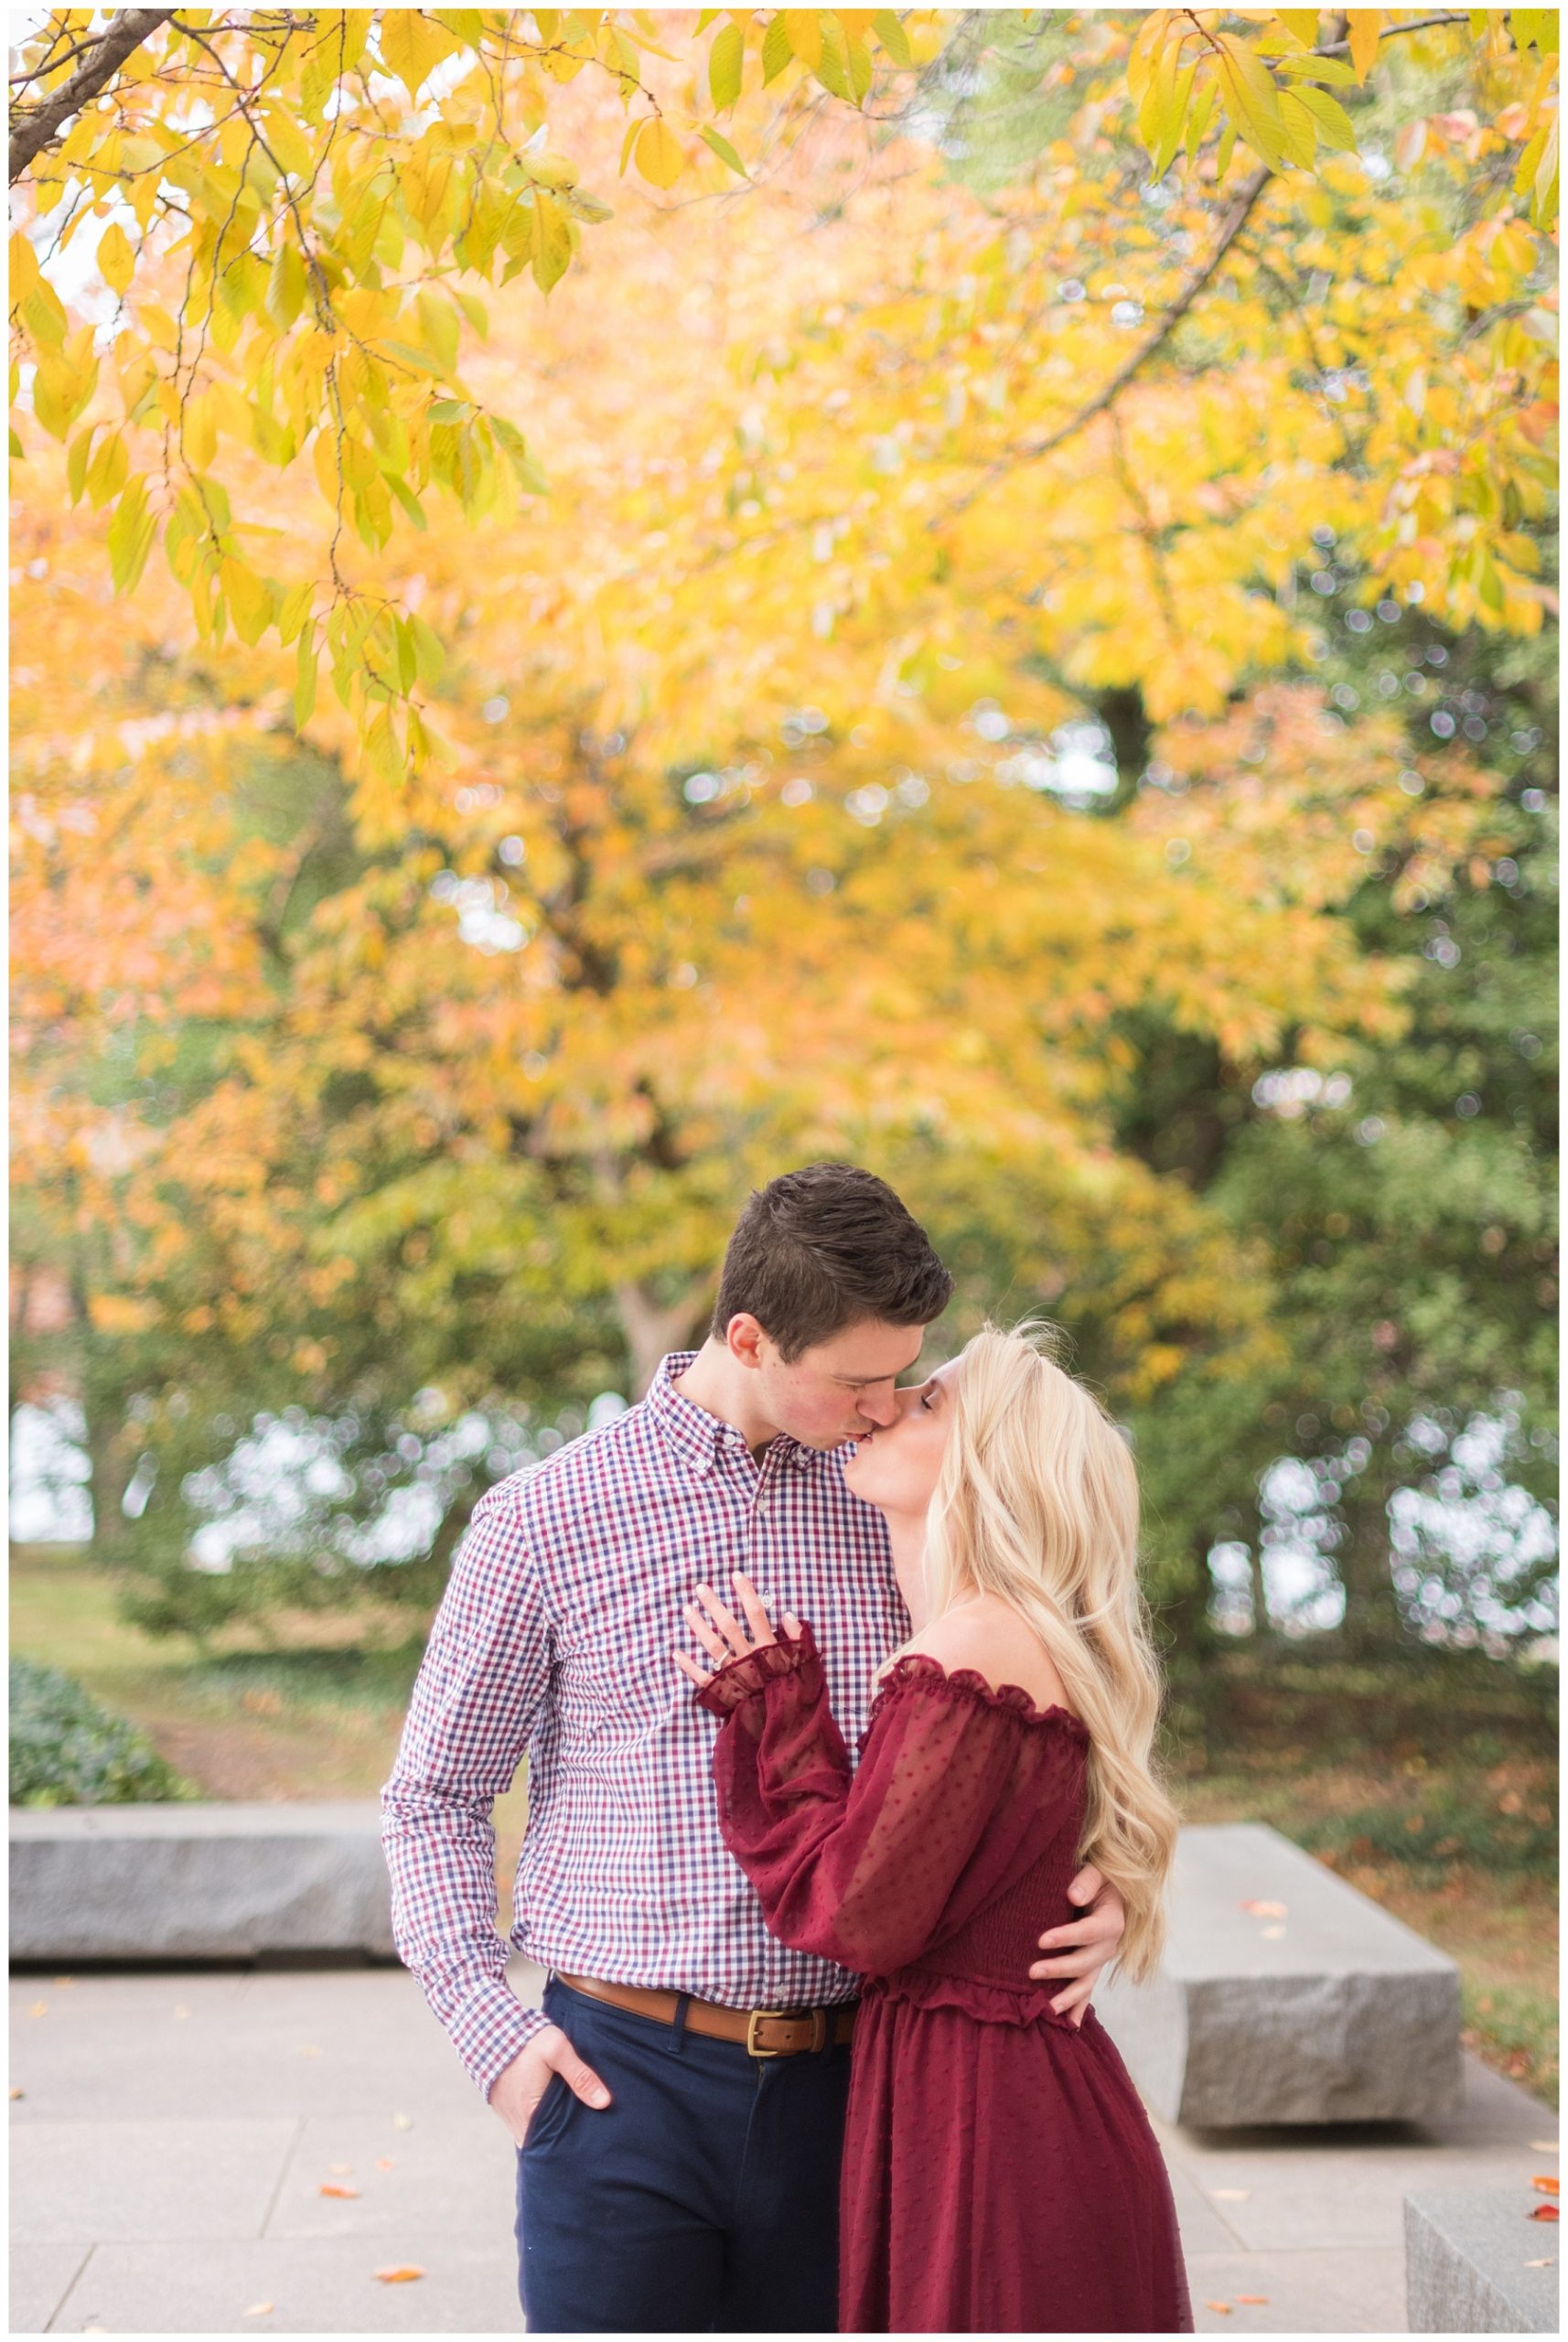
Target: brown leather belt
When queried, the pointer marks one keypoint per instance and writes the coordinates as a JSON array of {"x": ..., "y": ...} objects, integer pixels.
[{"x": 766, "y": 2033}]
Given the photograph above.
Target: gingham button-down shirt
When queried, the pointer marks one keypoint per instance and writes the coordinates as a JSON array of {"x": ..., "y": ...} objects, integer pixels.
[{"x": 553, "y": 1640}]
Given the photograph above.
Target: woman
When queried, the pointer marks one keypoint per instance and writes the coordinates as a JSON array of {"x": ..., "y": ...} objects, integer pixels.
[{"x": 999, "y": 2173}]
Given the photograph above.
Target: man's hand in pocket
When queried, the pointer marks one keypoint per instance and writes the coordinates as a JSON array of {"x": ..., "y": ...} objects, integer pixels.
[{"x": 518, "y": 2089}]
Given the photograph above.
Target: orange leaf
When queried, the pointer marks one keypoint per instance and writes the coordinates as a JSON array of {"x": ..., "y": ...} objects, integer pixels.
[
  {"x": 1252, "y": 2300},
  {"x": 1542, "y": 2212},
  {"x": 399, "y": 2276},
  {"x": 1365, "y": 28},
  {"x": 331, "y": 2189},
  {"x": 1546, "y": 2182},
  {"x": 1223, "y": 2307},
  {"x": 383, "y": 2162}
]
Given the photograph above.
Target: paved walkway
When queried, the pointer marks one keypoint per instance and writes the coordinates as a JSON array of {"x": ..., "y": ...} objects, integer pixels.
[{"x": 175, "y": 2131}]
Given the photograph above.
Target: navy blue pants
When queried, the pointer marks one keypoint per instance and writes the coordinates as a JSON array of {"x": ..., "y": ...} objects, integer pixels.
[{"x": 703, "y": 2197}]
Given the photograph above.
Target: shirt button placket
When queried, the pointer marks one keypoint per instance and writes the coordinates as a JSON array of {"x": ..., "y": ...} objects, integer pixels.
[{"x": 756, "y": 1525}]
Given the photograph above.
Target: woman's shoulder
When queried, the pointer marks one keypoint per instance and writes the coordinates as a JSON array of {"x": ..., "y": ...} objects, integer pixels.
[{"x": 988, "y": 1638}]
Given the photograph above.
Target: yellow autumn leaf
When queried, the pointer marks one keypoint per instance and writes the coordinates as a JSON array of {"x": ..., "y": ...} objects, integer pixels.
[
  {"x": 117, "y": 260},
  {"x": 659, "y": 156},
  {"x": 803, "y": 31},
  {"x": 1365, "y": 27},
  {"x": 413, "y": 45}
]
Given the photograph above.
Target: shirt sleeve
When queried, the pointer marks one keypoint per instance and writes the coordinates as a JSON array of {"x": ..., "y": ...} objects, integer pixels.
[
  {"x": 476, "y": 1702},
  {"x": 857, "y": 1866}
]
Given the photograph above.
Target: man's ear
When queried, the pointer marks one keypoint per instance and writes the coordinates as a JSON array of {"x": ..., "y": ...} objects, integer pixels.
[{"x": 744, "y": 1338}]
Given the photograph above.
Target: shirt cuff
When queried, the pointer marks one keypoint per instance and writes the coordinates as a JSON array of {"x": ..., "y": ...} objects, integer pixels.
[{"x": 490, "y": 2028}]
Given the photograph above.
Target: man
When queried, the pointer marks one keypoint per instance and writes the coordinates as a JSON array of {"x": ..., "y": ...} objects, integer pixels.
[{"x": 678, "y": 2101}]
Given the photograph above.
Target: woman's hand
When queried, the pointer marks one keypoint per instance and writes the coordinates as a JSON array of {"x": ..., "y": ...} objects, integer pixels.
[{"x": 726, "y": 1639}]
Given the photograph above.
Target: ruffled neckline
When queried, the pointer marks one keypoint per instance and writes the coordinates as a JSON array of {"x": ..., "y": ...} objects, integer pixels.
[
  {"x": 741, "y": 1679},
  {"x": 968, "y": 1683}
]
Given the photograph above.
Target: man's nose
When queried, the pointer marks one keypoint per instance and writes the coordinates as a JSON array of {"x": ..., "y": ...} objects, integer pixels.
[{"x": 879, "y": 1407}]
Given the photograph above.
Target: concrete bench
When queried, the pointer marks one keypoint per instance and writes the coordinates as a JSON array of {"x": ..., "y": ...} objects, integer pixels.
[
  {"x": 1467, "y": 2260},
  {"x": 1319, "y": 2009},
  {"x": 198, "y": 1882}
]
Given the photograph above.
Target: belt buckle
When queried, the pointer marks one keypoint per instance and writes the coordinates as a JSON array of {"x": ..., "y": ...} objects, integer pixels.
[{"x": 788, "y": 2017}]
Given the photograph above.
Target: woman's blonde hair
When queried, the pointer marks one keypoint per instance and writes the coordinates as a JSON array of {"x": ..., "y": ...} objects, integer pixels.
[{"x": 1037, "y": 1503}]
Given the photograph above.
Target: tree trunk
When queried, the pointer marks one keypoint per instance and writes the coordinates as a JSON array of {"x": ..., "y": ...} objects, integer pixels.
[
  {"x": 653, "y": 1329},
  {"x": 1121, "y": 711},
  {"x": 35, "y": 127},
  {"x": 1372, "y": 1622},
  {"x": 108, "y": 1473},
  {"x": 1181, "y": 1622}
]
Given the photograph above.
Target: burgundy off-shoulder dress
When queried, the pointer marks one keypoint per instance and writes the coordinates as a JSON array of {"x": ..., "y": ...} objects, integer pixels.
[{"x": 999, "y": 2172}]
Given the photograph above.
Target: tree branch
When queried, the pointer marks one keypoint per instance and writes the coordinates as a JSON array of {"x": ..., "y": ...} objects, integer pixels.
[
  {"x": 36, "y": 125},
  {"x": 1029, "y": 451},
  {"x": 1389, "y": 32}
]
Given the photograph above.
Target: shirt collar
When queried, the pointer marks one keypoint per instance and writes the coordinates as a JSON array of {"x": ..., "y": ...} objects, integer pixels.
[{"x": 695, "y": 1434}]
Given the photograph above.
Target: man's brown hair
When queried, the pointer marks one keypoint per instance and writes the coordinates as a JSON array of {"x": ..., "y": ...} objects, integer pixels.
[{"x": 823, "y": 1248}]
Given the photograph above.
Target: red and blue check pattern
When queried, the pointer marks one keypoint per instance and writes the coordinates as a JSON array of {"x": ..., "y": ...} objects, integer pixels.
[{"x": 554, "y": 1640}]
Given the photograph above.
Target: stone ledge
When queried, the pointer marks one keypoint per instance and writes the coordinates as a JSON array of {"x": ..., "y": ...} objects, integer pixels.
[
  {"x": 1331, "y": 2012},
  {"x": 1464, "y": 2256},
  {"x": 198, "y": 1882}
]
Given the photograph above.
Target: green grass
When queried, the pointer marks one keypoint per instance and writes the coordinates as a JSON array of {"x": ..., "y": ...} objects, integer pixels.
[
  {"x": 1515, "y": 2028},
  {"x": 316, "y": 1714}
]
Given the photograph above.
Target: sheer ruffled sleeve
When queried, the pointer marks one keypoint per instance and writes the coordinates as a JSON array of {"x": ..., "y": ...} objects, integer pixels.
[{"x": 858, "y": 1867}]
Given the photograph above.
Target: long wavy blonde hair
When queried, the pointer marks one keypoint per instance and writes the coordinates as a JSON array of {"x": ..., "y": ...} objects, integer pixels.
[{"x": 1037, "y": 1503}]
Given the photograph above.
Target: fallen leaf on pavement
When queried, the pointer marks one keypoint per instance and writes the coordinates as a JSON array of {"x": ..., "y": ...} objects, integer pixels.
[
  {"x": 259, "y": 2309},
  {"x": 332, "y": 2188},
  {"x": 1550, "y": 2262},
  {"x": 39, "y": 2008},
  {"x": 339, "y": 2170},
  {"x": 1543, "y": 2146},
  {"x": 1267, "y": 1910},
  {"x": 1542, "y": 2212},
  {"x": 17, "y": 2093},
  {"x": 383, "y": 2162},
  {"x": 399, "y": 2276},
  {"x": 1223, "y": 2307},
  {"x": 1253, "y": 2300},
  {"x": 1271, "y": 1931},
  {"x": 403, "y": 2121},
  {"x": 1546, "y": 2182},
  {"x": 1230, "y": 2195},
  {"x": 64, "y": 1984}
]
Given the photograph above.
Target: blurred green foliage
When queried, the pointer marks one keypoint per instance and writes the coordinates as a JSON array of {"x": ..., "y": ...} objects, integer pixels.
[{"x": 67, "y": 1750}]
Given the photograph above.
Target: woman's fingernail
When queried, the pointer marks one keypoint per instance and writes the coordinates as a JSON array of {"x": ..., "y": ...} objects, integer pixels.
[{"x": 600, "y": 2098}]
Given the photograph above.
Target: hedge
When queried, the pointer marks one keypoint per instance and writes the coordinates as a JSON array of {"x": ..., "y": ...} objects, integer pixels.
[{"x": 67, "y": 1750}]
